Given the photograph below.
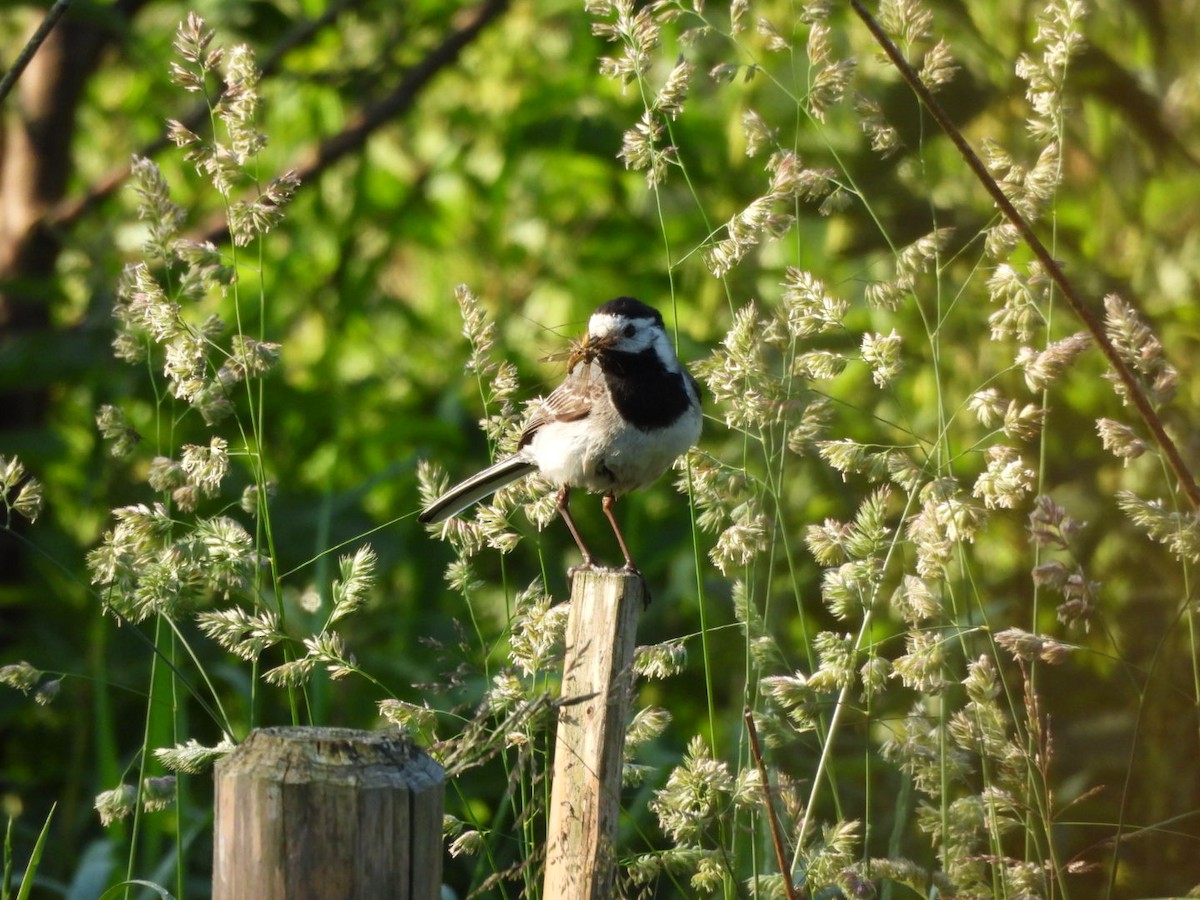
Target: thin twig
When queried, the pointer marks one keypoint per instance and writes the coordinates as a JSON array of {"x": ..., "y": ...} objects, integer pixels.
[
  {"x": 1055, "y": 272},
  {"x": 27, "y": 52},
  {"x": 776, "y": 837}
]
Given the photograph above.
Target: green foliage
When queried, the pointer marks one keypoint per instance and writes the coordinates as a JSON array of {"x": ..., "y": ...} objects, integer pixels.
[{"x": 925, "y": 540}]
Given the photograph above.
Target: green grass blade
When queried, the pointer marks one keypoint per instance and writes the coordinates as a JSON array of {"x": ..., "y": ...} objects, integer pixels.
[
  {"x": 35, "y": 858},
  {"x": 7, "y": 877}
]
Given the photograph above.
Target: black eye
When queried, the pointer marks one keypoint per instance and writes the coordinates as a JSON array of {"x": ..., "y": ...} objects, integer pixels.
[{"x": 630, "y": 331}]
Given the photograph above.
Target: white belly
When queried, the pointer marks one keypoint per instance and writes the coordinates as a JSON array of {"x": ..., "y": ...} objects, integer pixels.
[{"x": 601, "y": 453}]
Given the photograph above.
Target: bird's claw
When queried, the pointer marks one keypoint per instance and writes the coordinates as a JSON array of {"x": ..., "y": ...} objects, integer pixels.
[
  {"x": 590, "y": 565},
  {"x": 587, "y": 565}
]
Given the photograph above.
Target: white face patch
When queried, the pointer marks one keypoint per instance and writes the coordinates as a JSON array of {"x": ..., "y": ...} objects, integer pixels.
[
  {"x": 606, "y": 325},
  {"x": 645, "y": 334}
]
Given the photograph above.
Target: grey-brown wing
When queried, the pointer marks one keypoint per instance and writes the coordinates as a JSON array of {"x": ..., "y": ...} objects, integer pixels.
[{"x": 570, "y": 401}]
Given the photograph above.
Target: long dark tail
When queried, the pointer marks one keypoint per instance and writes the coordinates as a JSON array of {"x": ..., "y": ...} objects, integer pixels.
[{"x": 476, "y": 488}]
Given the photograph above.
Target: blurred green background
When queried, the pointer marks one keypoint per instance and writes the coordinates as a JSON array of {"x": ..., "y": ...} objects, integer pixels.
[{"x": 480, "y": 148}]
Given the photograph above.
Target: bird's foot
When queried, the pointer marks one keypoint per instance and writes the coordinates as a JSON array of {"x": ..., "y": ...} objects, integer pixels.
[
  {"x": 587, "y": 565},
  {"x": 590, "y": 565}
]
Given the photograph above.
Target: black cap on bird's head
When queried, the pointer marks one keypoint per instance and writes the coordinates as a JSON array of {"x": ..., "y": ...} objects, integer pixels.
[{"x": 630, "y": 308}]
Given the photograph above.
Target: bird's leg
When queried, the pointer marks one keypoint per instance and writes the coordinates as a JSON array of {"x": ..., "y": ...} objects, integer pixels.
[
  {"x": 632, "y": 569},
  {"x": 608, "y": 501},
  {"x": 564, "y": 501}
]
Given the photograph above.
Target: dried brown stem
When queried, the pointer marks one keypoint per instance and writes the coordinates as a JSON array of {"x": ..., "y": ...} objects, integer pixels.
[
  {"x": 776, "y": 838},
  {"x": 1053, "y": 270}
]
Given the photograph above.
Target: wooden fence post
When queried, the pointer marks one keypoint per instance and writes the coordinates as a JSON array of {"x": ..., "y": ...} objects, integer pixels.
[
  {"x": 597, "y": 688},
  {"x": 314, "y": 813}
]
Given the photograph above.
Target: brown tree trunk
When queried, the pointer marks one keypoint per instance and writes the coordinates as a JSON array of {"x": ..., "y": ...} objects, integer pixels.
[
  {"x": 36, "y": 134},
  {"x": 37, "y": 130}
]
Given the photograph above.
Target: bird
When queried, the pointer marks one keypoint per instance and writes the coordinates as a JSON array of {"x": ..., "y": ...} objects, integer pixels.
[{"x": 624, "y": 412}]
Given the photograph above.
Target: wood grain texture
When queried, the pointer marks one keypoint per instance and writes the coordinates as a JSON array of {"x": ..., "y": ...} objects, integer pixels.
[
  {"x": 313, "y": 813},
  {"x": 596, "y": 695}
]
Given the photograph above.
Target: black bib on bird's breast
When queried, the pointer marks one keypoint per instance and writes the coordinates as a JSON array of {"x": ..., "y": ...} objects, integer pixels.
[{"x": 644, "y": 393}]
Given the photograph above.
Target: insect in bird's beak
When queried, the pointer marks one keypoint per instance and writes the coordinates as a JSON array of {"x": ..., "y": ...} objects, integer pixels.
[
  {"x": 584, "y": 349},
  {"x": 587, "y": 348}
]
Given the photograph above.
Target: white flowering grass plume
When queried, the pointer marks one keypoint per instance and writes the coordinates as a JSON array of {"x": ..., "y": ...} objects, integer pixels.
[{"x": 196, "y": 559}]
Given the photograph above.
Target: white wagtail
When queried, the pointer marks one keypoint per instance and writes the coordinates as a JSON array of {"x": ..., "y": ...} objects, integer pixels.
[{"x": 625, "y": 411}]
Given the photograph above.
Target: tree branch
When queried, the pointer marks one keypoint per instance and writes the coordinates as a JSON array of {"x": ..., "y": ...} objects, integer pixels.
[
  {"x": 360, "y": 127},
  {"x": 366, "y": 122},
  {"x": 68, "y": 212}
]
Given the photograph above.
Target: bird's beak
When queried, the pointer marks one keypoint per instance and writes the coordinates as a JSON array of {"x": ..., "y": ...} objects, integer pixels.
[{"x": 587, "y": 348}]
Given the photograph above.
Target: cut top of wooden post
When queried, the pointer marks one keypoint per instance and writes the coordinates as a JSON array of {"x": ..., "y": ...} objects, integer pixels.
[
  {"x": 327, "y": 812},
  {"x": 597, "y": 688},
  {"x": 342, "y": 752}
]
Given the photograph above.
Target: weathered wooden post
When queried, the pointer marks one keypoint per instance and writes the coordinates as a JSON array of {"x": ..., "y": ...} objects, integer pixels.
[
  {"x": 309, "y": 813},
  {"x": 597, "y": 690}
]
